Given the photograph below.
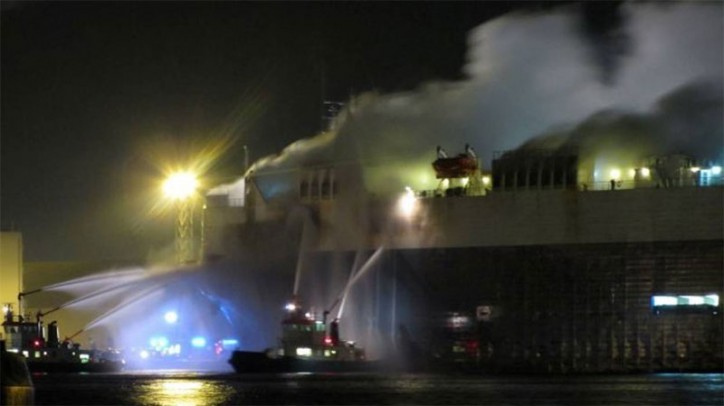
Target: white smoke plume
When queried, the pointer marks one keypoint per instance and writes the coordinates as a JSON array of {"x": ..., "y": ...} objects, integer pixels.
[{"x": 528, "y": 74}]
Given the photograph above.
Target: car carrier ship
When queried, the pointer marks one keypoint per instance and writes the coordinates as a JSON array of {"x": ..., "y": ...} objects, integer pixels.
[{"x": 551, "y": 261}]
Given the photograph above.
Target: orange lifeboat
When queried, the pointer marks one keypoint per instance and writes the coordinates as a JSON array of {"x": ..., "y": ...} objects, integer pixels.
[{"x": 461, "y": 166}]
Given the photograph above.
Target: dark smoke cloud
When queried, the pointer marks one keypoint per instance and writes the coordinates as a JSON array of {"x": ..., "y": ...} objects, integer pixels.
[
  {"x": 687, "y": 121},
  {"x": 603, "y": 27},
  {"x": 694, "y": 112},
  {"x": 526, "y": 75}
]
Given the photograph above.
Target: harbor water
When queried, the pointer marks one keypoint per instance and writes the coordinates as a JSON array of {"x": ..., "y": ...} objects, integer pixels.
[{"x": 195, "y": 388}]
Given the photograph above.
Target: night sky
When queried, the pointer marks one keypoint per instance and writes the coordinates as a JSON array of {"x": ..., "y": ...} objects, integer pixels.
[{"x": 98, "y": 98}]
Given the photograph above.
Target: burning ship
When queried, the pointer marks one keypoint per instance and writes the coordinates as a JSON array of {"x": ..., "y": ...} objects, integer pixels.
[
  {"x": 554, "y": 261},
  {"x": 594, "y": 247}
]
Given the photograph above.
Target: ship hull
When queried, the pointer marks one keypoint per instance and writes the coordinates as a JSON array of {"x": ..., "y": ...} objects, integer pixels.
[
  {"x": 250, "y": 362},
  {"x": 552, "y": 280},
  {"x": 74, "y": 367}
]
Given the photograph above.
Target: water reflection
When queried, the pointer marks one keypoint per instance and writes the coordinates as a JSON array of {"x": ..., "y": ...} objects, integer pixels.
[
  {"x": 185, "y": 392},
  {"x": 190, "y": 388}
]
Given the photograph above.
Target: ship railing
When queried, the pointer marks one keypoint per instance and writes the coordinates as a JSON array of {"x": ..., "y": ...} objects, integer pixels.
[
  {"x": 601, "y": 186},
  {"x": 631, "y": 184}
]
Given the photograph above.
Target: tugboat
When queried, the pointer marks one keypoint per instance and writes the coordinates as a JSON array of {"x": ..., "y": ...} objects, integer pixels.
[
  {"x": 307, "y": 345},
  {"x": 28, "y": 339}
]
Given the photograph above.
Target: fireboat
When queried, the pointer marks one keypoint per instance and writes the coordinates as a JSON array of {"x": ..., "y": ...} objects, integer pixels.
[
  {"x": 307, "y": 345},
  {"x": 46, "y": 353}
]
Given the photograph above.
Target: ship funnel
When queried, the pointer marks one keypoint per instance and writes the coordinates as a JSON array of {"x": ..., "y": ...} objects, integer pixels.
[
  {"x": 8, "y": 312},
  {"x": 53, "y": 335},
  {"x": 334, "y": 331}
]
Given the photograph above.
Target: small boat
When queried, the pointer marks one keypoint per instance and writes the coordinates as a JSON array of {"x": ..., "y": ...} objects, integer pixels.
[
  {"x": 50, "y": 355},
  {"x": 72, "y": 359},
  {"x": 307, "y": 345}
]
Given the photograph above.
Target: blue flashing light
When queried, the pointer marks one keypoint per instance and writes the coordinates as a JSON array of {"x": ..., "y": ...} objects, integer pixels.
[
  {"x": 170, "y": 317},
  {"x": 229, "y": 342},
  {"x": 198, "y": 342},
  {"x": 159, "y": 342}
]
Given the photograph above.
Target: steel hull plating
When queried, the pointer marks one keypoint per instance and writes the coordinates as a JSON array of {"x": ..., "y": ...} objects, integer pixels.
[
  {"x": 74, "y": 367},
  {"x": 249, "y": 362}
]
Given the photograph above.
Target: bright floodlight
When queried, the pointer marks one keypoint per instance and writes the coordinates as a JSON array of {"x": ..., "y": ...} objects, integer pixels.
[
  {"x": 180, "y": 185},
  {"x": 716, "y": 170},
  {"x": 407, "y": 204},
  {"x": 170, "y": 317}
]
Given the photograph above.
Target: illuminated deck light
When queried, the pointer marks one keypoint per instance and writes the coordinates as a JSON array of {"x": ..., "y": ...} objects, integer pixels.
[
  {"x": 686, "y": 300},
  {"x": 407, "y": 205},
  {"x": 692, "y": 300},
  {"x": 665, "y": 301}
]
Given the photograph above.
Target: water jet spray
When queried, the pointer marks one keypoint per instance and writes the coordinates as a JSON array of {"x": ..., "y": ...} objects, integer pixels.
[
  {"x": 112, "y": 276},
  {"x": 144, "y": 294},
  {"x": 354, "y": 277}
]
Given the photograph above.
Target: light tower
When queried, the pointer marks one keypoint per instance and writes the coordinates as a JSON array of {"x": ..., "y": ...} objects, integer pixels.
[{"x": 181, "y": 188}]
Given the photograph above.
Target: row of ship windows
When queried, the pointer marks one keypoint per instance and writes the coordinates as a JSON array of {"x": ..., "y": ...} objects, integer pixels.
[{"x": 316, "y": 190}]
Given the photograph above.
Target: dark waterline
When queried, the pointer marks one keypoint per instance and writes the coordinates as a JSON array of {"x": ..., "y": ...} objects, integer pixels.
[{"x": 193, "y": 388}]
